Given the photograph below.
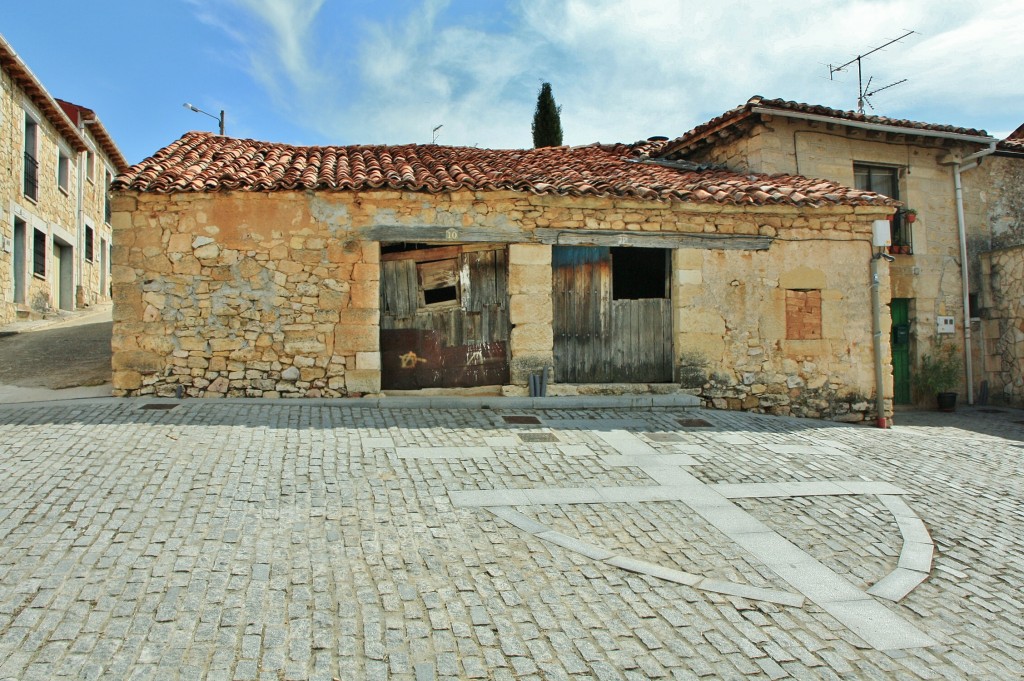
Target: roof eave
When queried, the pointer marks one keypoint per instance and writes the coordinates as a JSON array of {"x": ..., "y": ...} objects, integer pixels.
[
  {"x": 879, "y": 127},
  {"x": 23, "y": 77}
]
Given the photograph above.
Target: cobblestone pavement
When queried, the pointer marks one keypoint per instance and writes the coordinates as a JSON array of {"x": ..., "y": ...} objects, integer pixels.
[{"x": 285, "y": 540}]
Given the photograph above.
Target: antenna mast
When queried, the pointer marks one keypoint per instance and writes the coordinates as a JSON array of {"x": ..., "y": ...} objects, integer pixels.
[{"x": 863, "y": 91}]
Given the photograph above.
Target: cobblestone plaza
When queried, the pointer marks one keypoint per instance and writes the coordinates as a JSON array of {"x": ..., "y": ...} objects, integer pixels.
[{"x": 224, "y": 539}]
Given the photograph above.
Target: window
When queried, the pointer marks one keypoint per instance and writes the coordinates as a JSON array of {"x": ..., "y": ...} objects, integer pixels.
[
  {"x": 63, "y": 170},
  {"x": 31, "y": 172},
  {"x": 803, "y": 314},
  {"x": 90, "y": 165},
  {"x": 88, "y": 243},
  {"x": 885, "y": 180},
  {"x": 107, "y": 179},
  {"x": 439, "y": 283},
  {"x": 639, "y": 273},
  {"x": 39, "y": 253}
]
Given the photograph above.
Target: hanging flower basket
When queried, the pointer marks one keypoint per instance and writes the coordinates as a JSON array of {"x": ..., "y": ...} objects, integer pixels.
[{"x": 911, "y": 215}]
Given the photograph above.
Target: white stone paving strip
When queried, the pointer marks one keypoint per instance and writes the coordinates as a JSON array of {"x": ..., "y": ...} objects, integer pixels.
[
  {"x": 857, "y": 610},
  {"x": 595, "y": 552}
]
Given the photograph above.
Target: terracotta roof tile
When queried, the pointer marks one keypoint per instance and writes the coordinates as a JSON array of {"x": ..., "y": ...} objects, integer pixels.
[
  {"x": 204, "y": 162},
  {"x": 737, "y": 115}
]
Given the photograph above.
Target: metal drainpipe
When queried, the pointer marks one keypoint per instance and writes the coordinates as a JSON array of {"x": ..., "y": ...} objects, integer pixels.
[
  {"x": 876, "y": 318},
  {"x": 975, "y": 161}
]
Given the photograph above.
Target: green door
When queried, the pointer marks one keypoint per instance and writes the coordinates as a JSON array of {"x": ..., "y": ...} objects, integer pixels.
[{"x": 900, "y": 342}]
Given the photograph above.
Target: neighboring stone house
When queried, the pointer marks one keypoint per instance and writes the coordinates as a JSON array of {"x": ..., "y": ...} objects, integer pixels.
[
  {"x": 995, "y": 194},
  {"x": 916, "y": 163},
  {"x": 261, "y": 269},
  {"x": 54, "y": 212}
]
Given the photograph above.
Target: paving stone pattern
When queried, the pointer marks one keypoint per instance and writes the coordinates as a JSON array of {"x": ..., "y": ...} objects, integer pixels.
[{"x": 239, "y": 540}]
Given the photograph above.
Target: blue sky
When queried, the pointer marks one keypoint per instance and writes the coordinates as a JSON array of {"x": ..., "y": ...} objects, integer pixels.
[{"x": 388, "y": 71}]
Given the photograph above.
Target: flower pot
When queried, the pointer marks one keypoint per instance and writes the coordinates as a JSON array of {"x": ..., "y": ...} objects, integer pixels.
[
  {"x": 946, "y": 401},
  {"x": 911, "y": 217}
]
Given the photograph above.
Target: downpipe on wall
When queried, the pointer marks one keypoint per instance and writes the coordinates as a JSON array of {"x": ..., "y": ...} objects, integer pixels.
[
  {"x": 876, "y": 320},
  {"x": 968, "y": 163}
]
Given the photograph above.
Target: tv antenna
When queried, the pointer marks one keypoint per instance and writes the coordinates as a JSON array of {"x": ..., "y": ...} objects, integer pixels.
[
  {"x": 434, "y": 133},
  {"x": 864, "y": 91}
]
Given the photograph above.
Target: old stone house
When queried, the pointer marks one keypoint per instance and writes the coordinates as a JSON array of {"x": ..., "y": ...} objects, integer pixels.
[
  {"x": 920, "y": 164},
  {"x": 55, "y": 230},
  {"x": 995, "y": 198},
  {"x": 261, "y": 269}
]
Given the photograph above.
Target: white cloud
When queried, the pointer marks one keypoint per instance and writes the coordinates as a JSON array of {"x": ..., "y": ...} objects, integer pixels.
[{"x": 625, "y": 70}]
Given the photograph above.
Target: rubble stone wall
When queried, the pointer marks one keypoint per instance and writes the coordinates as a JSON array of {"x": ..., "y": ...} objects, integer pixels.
[{"x": 278, "y": 294}]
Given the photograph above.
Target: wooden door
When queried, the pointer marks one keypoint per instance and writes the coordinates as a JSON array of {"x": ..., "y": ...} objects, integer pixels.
[
  {"x": 444, "y": 317},
  {"x": 900, "y": 344},
  {"x": 601, "y": 333}
]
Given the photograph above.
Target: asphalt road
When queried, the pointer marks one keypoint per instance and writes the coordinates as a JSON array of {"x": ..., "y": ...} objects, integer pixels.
[{"x": 66, "y": 356}]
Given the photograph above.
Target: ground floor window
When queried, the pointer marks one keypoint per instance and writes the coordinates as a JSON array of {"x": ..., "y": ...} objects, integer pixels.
[{"x": 39, "y": 253}]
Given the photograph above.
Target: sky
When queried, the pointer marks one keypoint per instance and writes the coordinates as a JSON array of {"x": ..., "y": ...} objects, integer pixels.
[{"x": 316, "y": 72}]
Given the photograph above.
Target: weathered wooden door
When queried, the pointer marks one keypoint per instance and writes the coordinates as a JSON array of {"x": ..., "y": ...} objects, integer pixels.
[
  {"x": 444, "y": 317},
  {"x": 612, "y": 315},
  {"x": 900, "y": 309}
]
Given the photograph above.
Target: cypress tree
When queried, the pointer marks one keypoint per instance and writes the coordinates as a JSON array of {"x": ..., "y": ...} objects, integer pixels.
[{"x": 547, "y": 121}]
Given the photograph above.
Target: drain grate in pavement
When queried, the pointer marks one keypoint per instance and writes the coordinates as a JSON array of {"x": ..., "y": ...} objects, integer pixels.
[
  {"x": 514, "y": 419},
  {"x": 992, "y": 411},
  {"x": 694, "y": 423},
  {"x": 538, "y": 437},
  {"x": 158, "y": 406}
]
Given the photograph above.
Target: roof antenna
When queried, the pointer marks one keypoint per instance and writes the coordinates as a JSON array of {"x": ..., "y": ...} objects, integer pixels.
[
  {"x": 434, "y": 132},
  {"x": 864, "y": 91}
]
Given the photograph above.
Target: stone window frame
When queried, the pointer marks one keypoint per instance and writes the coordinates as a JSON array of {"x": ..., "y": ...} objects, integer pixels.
[{"x": 803, "y": 314}]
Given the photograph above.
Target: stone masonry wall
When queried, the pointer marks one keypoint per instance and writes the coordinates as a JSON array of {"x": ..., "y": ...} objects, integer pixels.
[
  {"x": 278, "y": 295},
  {"x": 734, "y": 346},
  {"x": 930, "y": 276},
  {"x": 1003, "y": 275}
]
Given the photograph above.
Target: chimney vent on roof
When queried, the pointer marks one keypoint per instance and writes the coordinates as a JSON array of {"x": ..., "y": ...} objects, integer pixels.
[{"x": 657, "y": 138}]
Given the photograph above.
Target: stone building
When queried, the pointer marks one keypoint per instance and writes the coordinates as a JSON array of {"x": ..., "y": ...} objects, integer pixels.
[
  {"x": 995, "y": 197},
  {"x": 261, "y": 269},
  {"x": 919, "y": 164},
  {"x": 55, "y": 230}
]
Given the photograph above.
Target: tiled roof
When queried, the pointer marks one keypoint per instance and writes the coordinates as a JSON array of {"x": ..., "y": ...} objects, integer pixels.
[
  {"x": 81, "y": 115},
  {"x": 735, "y": 116},
  {"x": 37, "y": 94},
  {"x": 204, "y": 162},
  {"x": 1014, "y": 142}
]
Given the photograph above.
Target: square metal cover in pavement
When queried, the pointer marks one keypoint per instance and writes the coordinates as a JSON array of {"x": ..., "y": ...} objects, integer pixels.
[
  {"x": 158, "y": 406},
  {"x": 538, "y": 437},
  {"x": 694, "y": 423},
  {"x": 515, "y": 419}
]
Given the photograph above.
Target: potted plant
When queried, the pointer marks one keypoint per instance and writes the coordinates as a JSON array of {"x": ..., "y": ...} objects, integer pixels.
[
  {"x": 911, "y": 215},
  {"x": 939, "y": 373}
]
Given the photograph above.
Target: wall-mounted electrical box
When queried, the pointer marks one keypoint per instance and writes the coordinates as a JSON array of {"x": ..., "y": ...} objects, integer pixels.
[
  {"x": 881, "y": 233},
  {"x": 945, "y": 325}
]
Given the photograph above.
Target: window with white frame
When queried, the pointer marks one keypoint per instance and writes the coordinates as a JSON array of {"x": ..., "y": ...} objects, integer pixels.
[
  {"x": 90, "y": 165},
  {"x": 63, "y": 170}
]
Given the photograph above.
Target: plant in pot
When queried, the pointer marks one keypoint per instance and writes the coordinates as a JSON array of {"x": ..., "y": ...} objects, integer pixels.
[
  {"x": 911, "y": 215},
  {"x": 939, "y": 373}
]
